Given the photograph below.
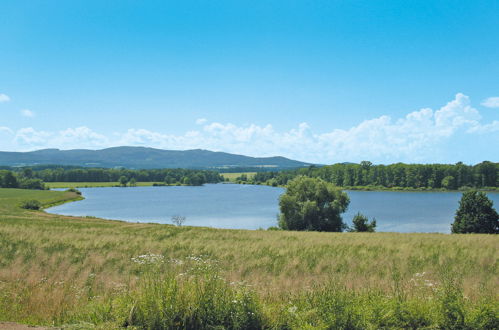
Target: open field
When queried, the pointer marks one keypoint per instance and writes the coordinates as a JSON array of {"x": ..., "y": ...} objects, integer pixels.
[
  {"x": 232, "y": 176},
  {"x": 52, "y": 185},
  {"x": 87, "y": 271}
]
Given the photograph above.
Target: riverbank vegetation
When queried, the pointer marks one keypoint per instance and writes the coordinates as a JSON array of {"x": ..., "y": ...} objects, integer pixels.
[
  {"x": 88, "y": 272},
  {"x": 367, "y": 176}
]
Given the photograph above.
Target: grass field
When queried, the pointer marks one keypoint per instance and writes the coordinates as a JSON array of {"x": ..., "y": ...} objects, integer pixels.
[
  {"x": 232, "y": 176},
  {"x": 88, "y": 272},
  {"x": 92, "y": 184}
]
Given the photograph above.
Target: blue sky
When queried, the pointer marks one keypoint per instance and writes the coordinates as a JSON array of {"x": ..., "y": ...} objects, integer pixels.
[{"x": 320, "y": 81}]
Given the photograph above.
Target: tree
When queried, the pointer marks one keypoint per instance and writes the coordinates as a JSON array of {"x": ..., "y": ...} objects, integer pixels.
[
  {"x": 361, "y": 224},
  {"x": 449, "y": 182},
  {"x": 27, "y": 173},
  {"x": 312, "y": 204},
  {"x": 133, "y": 182},
  {"x": 123, "y": 180},
  {"x": 31, "y": 184},
  {"x": 475, "y": 215},
  {"x": 10, "y": 181},
  {"x": 178, "y": 220}
]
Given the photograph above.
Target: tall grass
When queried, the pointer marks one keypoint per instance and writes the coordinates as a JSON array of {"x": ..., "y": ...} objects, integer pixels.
[{"x": 91, "y": 272}]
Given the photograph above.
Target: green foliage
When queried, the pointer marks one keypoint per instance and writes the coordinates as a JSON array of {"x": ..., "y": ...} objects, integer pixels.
[
  {"x": 75, "y": 174},
  {"x": 123, "y": 180},
  {"x": 476, "y": 215},
  {"x": 32, "y": 204},
  {"x": 448, "y": 182},
  {"x": 8, "y": 180},
  {"x": 395, "y": 176},
  {"x": 31, "y": 184},
  {"x": 133, "y": 182},
  {"x": 74, "y": 190},
  {"x": 23, "y": 180},
  {"x": 361, "y": 224},
  {"x": 312, "y": 204}
]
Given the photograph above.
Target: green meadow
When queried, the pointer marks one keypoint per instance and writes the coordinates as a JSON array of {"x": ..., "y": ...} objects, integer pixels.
[
  {"x": 233, "y": 176},
  {"x": 92, "y": 273}
]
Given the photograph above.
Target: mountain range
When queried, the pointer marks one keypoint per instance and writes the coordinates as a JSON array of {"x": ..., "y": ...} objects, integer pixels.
[{"x": 144, "y": 158}]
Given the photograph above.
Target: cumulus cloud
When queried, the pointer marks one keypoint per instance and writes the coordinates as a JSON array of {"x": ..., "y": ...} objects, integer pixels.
[
  {"x": 201, "y": 121},
  {"x": 4, "y": 98},
  {"x": 491, "y": 102},
  {"x": 27, "y": 113},
  {"x": 420, "y": 136}
]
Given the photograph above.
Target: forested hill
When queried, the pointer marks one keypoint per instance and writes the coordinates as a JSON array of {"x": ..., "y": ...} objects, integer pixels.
[{"x": 143, "y": 158}]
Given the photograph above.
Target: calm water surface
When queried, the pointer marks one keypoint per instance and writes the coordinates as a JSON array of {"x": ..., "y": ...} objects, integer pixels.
[{"x": 252, "y": 207}]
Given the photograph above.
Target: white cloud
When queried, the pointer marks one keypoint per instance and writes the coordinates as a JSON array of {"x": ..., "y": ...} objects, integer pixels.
[
  {"x": 487, "y": 128},
  {"x": 4, "y": 98},
  {"x": 201, "y": 121},
  {"x": 27, "y": 113},
  {"x": 420, "y": 136},
  {"x": 6, "y": 130},
  {"x": 80, "y": 136},
  {"x": 29, "y": 137},
  {"x": 491, "y": 102}
]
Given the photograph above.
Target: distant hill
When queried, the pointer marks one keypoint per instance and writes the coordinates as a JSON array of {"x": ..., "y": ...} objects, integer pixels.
[{"x": 141, "y": 157}]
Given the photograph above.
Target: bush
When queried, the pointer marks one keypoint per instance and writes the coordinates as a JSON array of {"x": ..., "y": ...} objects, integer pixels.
[
  {"x": 475, "y": 214},
  {"x": 74, "y": 190},
  {"x": 31, "y": 205}
]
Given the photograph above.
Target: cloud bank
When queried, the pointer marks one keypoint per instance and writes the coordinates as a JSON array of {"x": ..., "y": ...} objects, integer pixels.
[{"x": 420, "y": 136}]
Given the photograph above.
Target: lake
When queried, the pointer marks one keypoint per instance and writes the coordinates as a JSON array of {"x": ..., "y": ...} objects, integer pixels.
[{"x": 252, "y": 207}]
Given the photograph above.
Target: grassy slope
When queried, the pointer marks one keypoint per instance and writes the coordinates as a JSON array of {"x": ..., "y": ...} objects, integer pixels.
[{"x": 52, "y": 266}]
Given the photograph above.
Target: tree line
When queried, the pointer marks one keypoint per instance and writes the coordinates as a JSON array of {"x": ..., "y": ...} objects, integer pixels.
[
  {"x": 10, "y": 179},
  {"x": 33, "y": 179},
  {"x": 400, "y": 175}
]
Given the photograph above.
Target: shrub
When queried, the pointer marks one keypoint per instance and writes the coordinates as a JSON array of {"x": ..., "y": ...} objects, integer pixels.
[
  {"x": 74, "y": 190},
  {"x": 361, "y": 224},
  {"x": 31, "y": 205}
]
